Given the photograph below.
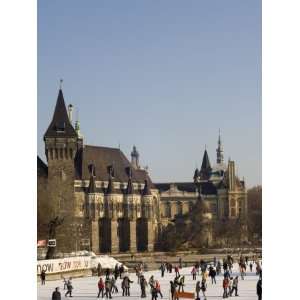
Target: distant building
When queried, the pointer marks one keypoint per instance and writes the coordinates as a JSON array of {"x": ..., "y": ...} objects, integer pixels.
[
  {"x": 110, "y": 204},
  {"x": 224, "y": 193}
]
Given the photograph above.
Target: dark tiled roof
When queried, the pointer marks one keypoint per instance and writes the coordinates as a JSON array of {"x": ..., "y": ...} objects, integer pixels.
[
  {"x": 101, "y": 158},
  {"x": 207, "y": 188},
  {"x": 60, "y": 125},
  {"x": 42, "y": 169}
]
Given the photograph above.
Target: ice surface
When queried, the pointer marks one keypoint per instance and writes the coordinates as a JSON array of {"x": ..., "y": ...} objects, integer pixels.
[{"x": 86, "y": 288}]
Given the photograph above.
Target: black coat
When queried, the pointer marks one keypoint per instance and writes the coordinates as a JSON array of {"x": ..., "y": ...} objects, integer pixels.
[
  {"x": 56, "y": 295},
  {"x": 259, "y": 288}
]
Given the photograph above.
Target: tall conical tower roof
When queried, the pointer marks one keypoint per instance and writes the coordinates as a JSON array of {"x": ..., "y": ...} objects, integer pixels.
[
  {"x": 92, "y": 185},
  {"x": 60, "y": 125},
  {"x": 205, "y": 167},
  {"x": 146, "y": 190}
]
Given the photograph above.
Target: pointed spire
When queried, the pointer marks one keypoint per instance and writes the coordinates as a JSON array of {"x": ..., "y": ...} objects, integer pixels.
[
  {"x": 220, "y": 155},
  {"x": 129, "y": 189},
  {"x": 135, "y": 158},
  {"x": 205, "y": 167},
  {"x": 60, "y": 124},
  {"x": 146, "y": 190},
  {"x": 92, "y": 185},
  {"x": 110, "y": 188}
]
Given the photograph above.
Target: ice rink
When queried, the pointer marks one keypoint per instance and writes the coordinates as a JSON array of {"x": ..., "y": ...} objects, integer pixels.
[{"x": 86, "y": 288}]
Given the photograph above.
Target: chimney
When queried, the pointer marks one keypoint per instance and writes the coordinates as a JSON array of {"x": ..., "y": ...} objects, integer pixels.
[{"x": 70, "y": 112}]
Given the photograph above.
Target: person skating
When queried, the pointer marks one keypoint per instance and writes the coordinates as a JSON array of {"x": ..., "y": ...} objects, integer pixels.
[
  {"x": 121, "y": 271},
  {"x": 173, "y": 290},
  {"x": 69, "y": 288},
  {"x": 153, "y": 293},
  {"x": 162, "y": 269},
  {"x": 65, "y": 281},
  {"x": 251, "y": 266},
  {"x": 127, "y": 282},
  {"x": 114, "y": 288},
  {"x": 203, "y": 287},
  {"x": 100, "y": 288},
  {"x": 151, "y": 281},
  {"x": 235, "y": 283},
  {"x": 259, "y": 289},
  {"x": 43, "y": 277},
  {"x": 116, "y": 271},
  {"x": 212, "y": 273},
  {"x": 181, "y": 284},
  {"x": 56, "y": 294},
  {"x": 194, "y": 273},
  {"x": 225, "y": 287},
  {"x": 230, "y": 285},
  {"x": 218, "y": 269},
  {"x": 198, "y": 289},
  {"x": 108, "y": 288},
  {"x": 157, "y": 287},
  {"x": 107, "y": 273},
  {"x": 143, "y": 284},
  {"x": 177, "y": 271}
]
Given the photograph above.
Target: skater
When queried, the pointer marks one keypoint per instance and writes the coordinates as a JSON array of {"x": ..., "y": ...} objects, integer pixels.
[
  {"x": 151, "y": 281},
  {"x": 157, "y": 287},
  {"x": 198, "y": 289},
  {"x": 153, "y": 293},
  {"x": 43, "y": 277},
  {"x": 235, "y": 286},
  {"x": 162, "y": 269},
  {"x": 114, "y": 288},
  {"x": 251, "y": 266},
  {"x": 56, "y": 294},
  {"x": 181, "y": 284},
  {"x": 100, "y": 288},
  {"x": 215, "y": 261},
  {"x": 127, "y": 282},
  {"x": 203, "y": 287},
  {"x": 65, "y": 281},
  {"x": 212, "y": 274},
  {"x": 230, "y": 286},
  {"x": 225, "y": 287},
  {"x": 69, "y": 288},
  {"x": 121, "y": 271},
  {"x": 116, "y": 272},
  {"x": 177, "y": 271},
  {"x": 194, "y": 273},
  {"x": 173, "y": 290},
  {"x": 259, "y": 289},
  {"x": 99, "y": 269},
  {"x": 143, "y": 284},
  {"x": 180, "y": 263},
  {"x": 107, "y": 273},
  {"x": 218, "y": 269},
  {"x": 108, "y": 288}
]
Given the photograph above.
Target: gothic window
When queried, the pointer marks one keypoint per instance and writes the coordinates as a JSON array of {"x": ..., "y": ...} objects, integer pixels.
[
  {"x": 179, "y": 208},
  {"x": 233, "y": 212}
]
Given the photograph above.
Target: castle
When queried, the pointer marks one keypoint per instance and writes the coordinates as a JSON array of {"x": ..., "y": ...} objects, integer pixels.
[{"x": 109, "y": 204}]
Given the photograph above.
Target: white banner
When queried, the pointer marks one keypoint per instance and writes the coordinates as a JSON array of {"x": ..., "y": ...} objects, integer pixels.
[{"x": 60, "y": 265}]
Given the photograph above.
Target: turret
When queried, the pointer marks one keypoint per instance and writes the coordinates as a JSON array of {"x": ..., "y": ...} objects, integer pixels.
[
  {"x": 220, "y": 152},
  {"x": 135, "y": 158},
  {"x": 205, "y": 170}
]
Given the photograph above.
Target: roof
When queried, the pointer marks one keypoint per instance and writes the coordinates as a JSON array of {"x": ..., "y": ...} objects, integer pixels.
[
  {"x": 60, "y": 125},
  {"x": 101, "y": 158},
  {"x": 42, "y": 168},
  {"x": 205, "y": 162},
  {"x": 207, "y": 188}
]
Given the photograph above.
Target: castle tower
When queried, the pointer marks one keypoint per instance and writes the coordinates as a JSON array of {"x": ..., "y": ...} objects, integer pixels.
[
  {"x": 205, "y": 170},
  {"x": 220, "y": 152},
  {"x": 60, "y": 149},
  {"x": 135, "y": 158}
]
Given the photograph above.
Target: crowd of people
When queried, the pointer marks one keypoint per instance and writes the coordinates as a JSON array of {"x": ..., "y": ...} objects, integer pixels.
[{"x": 201, "y": 270}]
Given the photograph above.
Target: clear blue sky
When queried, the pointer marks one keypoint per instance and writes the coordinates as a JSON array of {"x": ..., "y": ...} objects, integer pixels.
[{"x": 163, "y": 75}]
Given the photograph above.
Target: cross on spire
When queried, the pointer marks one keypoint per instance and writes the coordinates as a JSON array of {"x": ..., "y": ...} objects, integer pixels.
[{"x": 60, "y": 83}]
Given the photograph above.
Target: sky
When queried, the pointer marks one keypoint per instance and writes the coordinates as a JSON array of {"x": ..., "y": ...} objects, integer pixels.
[{"x": 162, "y": 75}]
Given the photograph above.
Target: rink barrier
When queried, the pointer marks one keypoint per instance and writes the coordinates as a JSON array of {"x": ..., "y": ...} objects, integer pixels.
[{"x": 62, "y": 265}]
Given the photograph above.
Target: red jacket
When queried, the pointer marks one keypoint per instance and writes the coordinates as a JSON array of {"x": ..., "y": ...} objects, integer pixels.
[{"x": 101, "y": 284}]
